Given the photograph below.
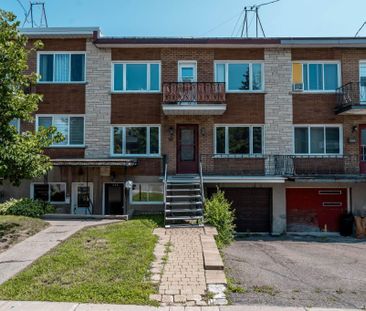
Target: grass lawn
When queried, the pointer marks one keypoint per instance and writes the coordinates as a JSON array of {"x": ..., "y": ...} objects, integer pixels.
[
  {"x": 105, "y": 264},
  {"x": 14, "y": 229}
]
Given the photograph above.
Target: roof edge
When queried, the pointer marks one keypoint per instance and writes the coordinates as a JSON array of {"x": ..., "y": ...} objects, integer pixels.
[{"x": 61, "y": 32}]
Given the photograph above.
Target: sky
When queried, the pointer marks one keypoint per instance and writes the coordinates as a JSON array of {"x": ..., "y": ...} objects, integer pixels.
[{"x": 197, "y": 18}]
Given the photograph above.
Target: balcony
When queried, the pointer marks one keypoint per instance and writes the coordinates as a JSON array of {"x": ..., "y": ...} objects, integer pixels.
[
  {"x": 290, "y": 166},
  {"x": 194, "y": 98},
  {"x": 351, "y": 99}
]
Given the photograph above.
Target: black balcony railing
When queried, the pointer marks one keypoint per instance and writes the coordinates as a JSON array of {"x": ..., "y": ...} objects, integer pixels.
[
  {"x": 281, "y": 165},
  {"x": 351, "y": 94},
  {"x": 190, "y": 92}
]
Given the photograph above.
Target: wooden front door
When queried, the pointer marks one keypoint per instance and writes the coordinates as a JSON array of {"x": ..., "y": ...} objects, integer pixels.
[
  {"x": 187, "y": 149},
  {"x": 362, "y": 148}
]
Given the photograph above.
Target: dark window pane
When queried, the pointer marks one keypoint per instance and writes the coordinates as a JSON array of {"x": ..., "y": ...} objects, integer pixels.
[
  {"x": 330, "y": 77},
  {"x": 301, "y": 140},
  {"x": 154, "y": 140},
  {"x": 40, "y": 192},
  {"x": 257, "y": 140},
  {"x": 46, "y": 67},
  {"x": 220, "y": 140},
  {"x": 136, "y": 77},
  {"x": 58, "y": 192},
  {"x": 332, "y": 140},
  {"x": 83, "y": 197},
  {"x": 317, "y": 140},
  {"x": 117, "y": 140},
  {"x": 238, "y": 77},
  {"x": 118, "y": 77},
  {"x": 305, "y": 76},
  {"x": 136, "y": 140},
  {"x": 315, "y": 77},
  {"x": 187, "y": 147},
  {"x": 77, "y": 67},
  {"x": 76, "y": 130},
  {"x": 238, "y": 140}
]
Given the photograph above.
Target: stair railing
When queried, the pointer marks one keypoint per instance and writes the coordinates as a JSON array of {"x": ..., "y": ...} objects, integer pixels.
[
  {"x": 165, "y": 183},
  {"x": 201, "y": 185}
]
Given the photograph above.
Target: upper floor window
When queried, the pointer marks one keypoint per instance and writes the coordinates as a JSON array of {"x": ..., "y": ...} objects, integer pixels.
[
  {"x": 240, "y": 76},
  {"x": 136, "y": 77},
  {"x": 318, "y": 139},
  {"x": 71, "y": 127},
  {"x": 61, "y": 67},
  {"x": 238, "y": 140},
  {"x": 316, "y": 76},
  {"x": 136, "y": 140}
]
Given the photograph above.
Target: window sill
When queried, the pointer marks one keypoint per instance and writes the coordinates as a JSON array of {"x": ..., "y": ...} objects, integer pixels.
[
  {"x": 135, "y": 92},
  {"x": 239, "y": 156},
  {"x": 62, "y": 83},
  {"x": 318, "y": 156},
  {"x": 245, "y": 92},
  {"x": 66, "y": 147},
  {"x": 139, "y": 156},
  {"x": 313, "y": 92}
]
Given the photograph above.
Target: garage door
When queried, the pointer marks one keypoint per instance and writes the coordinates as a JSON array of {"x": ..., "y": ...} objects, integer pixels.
[
  {"x": 252, "y": 207},
  {"x": 315, "y": 209}
]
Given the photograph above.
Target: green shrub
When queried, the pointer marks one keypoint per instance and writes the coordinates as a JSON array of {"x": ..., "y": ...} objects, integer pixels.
[
  {"x": 218, "y": 213},
  {"x": 25, "y": 207}
]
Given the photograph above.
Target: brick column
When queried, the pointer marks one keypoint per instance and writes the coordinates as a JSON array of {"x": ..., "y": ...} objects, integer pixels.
[{"x": 97, "y": 102}]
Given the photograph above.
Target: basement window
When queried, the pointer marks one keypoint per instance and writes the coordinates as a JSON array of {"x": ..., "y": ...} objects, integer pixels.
[{"x": 54, "y": 193}]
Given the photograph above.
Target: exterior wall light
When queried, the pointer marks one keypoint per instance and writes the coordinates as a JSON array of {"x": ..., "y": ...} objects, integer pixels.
[
  {"x": 203, "y": 131},
  {"x": 171, "y": 133}
]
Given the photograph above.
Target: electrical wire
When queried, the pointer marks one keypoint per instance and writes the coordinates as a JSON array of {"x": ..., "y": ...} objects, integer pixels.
[{"x": 223, "y": 23}]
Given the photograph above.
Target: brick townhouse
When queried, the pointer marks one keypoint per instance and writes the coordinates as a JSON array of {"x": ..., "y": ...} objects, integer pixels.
[{"x": 155, "y": 124}]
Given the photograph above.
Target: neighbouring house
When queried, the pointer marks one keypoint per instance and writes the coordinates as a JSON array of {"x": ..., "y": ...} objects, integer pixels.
[{"x": 153, "y": 123}]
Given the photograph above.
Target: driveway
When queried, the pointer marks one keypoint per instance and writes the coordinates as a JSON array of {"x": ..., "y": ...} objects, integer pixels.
[{"x": 299, "y": 271}]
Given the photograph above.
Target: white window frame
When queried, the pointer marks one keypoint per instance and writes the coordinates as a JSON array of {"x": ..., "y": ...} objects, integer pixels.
[
  {"x": 124, "y": 84},
  {"x": 17, "y": 124},
  {"x": 124, "y": 154},
  {"x": 309, "y": 126},
  {"x": 187, "y": 63},
  {"x": 319, "y": 62},
  {"x": 145, "y": 202},
  {"x": 241, "y": 62},
  {"x": 49, "y": 191},
  {"x": 68, "y": 137},
  {"x": 39, "y": 53},
  {"x": 240, "y": 155}
]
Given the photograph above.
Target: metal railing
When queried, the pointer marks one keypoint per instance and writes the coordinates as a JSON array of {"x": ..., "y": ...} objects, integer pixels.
[
  {"x": 351, "y": 94},
  {"x": 165, "y": 182},
  {"x": 280, "y": 165},
  {"x": 194, "y": 92}
]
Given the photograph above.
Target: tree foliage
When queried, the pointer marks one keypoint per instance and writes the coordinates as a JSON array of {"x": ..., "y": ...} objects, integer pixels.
[{"x": 21, "y": 154}]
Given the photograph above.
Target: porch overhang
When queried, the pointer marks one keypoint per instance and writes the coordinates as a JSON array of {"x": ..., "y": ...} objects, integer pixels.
[
  {"x": 352, "y": 110},
  {"x": 329, "y": 179},
  {"x": 194, "y": 110},
  {"x": 95, "y": 162},
  {"x": 243, "y": 179}
]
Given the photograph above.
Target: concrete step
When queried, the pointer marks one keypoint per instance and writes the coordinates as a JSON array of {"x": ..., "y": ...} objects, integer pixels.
[
  {"x": 193, "y": 196},
  {"x": 184, "y": 190},
  {"x": 184, "y": 210},
  {"x": 183, "y": 218},
  {"x": 184, "y": 203}
]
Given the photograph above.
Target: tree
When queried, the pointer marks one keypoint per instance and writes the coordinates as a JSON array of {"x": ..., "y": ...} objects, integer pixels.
[{"x": 21, "y": 154}]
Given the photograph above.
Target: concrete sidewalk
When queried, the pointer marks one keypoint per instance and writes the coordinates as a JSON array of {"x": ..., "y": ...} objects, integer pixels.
[
  {"x": 21, "y": 255},
  {"x": 60, "y": 306}
]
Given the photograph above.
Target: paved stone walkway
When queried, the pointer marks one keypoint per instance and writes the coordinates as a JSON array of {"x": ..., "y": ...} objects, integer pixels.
[
  {"x": 21, "y": 255},
  {"x": 61, "y": 306}
]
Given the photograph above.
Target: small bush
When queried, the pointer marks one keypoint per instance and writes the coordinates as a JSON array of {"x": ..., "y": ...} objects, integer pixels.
[
  {"x": 218, "y": 213},
  {"x": 25, "y": 207}
]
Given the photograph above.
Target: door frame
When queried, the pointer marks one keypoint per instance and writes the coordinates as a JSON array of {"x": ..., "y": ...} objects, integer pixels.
[
  {"x": 103, "y": 194},
  {"x": 196, "y": 137},
  {"x": 74, "y": 186},
  {"x": 362, "y": 164}
]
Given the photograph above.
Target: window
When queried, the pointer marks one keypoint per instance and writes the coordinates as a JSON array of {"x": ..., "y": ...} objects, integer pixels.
[
  {"x": 318, "y": 139},
  {"x": 316, "y": 76},
  {"x": 136, "y": 140},
  {"x": 240, "y": 76},
  {"x": 16, "y": 123},
  {"x": 136, "y": 77},
  {"x": 71, "y": 127},
  {"x": 61, "y": 67},
  {"x": 147, "y": 194},
  {"x": 238, "y": 140},
  {"x": 51, "y": 192}
]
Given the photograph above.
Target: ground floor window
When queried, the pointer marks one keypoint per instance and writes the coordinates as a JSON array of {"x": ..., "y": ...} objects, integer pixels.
[
  {"x": 318, "y": 139},
  {"x": 238, "y": 139},
  {"x": 49, "y": 192},
  {"x": 142, "y": 193},
  {"x": 136, "y": 140}
]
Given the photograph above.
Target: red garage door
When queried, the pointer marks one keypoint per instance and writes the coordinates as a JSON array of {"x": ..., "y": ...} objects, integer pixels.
[
  {"x": 315, "y": 209},
  {"x": 252, "y": 208}
]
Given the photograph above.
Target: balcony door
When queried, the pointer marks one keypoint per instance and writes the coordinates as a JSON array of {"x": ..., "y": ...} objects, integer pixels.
[
  {"x": 187, "y": 71},
  {"x": 187, "y": 149},
  {"x": 363, "y": 83},
  {"x": 362, "y": 146}
]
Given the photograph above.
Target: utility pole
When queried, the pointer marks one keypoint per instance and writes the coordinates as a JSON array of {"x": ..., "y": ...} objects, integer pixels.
[
  {"x": 254, "y": 9},
  {"x": 30, "y": 15}
]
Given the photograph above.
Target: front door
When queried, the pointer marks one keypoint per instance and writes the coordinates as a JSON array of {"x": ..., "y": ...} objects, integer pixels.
[
  {"x": 362, "y": 151},
  {"x": 113, "y": 199},
  {"x": 187, "y": 149},
  {"x": 82, "y": 198}
]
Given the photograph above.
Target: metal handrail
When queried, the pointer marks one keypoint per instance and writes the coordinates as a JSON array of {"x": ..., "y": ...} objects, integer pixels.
[
  {"x": 165, "y": 182},
  {"x": 202, "y": 188}
]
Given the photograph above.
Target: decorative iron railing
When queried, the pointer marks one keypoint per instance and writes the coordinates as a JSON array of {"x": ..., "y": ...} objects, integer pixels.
[
  {"x": 351, "y": 94},
  {"x": 194, "y": 92}
]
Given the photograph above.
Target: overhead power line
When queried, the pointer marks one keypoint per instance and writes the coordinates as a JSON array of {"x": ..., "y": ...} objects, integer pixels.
[
  {"x": 221, "y": 24},
  {"x": 363, "y": 25}
]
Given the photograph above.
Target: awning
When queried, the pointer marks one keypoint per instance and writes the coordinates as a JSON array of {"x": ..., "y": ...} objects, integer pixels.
[{"x": 95, "y": 162}]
